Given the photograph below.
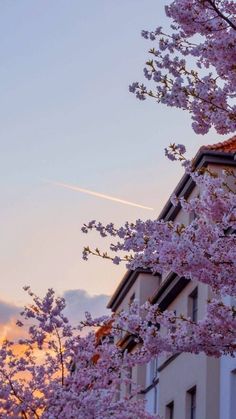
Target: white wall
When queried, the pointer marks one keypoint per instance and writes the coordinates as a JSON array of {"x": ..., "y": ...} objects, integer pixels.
[{"x": 228, "y": 383}]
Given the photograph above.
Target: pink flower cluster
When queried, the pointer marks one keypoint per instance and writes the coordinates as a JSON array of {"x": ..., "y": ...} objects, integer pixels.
[
  {"x": 205, "y": 32},
  {"x": 57, "y": 372},
  {"x": 214, "y": 335}
]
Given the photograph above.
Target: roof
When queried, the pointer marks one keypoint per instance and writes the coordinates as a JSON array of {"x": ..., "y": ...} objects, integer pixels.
[
  {"x": 227, "y": 146},
  {"x": 222, "y": 153}
]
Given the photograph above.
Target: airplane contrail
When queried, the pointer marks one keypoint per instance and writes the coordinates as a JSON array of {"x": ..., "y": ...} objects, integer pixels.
[{"x": 97, "y": 194}]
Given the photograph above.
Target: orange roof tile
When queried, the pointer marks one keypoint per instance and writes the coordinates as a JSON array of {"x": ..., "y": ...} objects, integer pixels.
[{"x": 227, "y": 146}]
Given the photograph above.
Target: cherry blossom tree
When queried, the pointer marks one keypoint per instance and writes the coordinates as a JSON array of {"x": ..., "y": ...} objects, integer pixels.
[
  {"x": 58, "y": 371},
  {"x": 203, "y": 251},
  {"x": 193, "y": 66}
]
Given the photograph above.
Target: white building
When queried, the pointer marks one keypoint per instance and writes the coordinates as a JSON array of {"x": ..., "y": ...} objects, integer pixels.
[{"x": 184, "y": 386}]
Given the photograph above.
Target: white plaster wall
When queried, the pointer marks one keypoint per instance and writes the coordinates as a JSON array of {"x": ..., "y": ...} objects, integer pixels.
[
  {"x": 228, "y": 382},
  {"x": 227, "y": 394}
]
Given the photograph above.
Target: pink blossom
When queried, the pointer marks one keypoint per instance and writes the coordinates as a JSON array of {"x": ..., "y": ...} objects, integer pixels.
[{"x": 206, "y": 87}]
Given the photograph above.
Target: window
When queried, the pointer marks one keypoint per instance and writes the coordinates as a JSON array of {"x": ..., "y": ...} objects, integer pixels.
[
  {"x": 155, "y": 401},
  {"x": 191, "y": 403},
  {"x": 192, "y": 216},
  {"x": 193, "y": 305},
  {"x": 170, "y": 411},
  {"x": 153, "y": 369},
  {"x": 232, "y": 394},
  {"x": 129, "y": 376},
  {"x": 173, "y": 328},
  {"x": 132, "y": 298},
  {"x": 152, "y": 383}
]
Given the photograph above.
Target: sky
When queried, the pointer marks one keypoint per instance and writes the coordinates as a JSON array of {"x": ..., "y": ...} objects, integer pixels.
[{"x": 67, "y": 117}]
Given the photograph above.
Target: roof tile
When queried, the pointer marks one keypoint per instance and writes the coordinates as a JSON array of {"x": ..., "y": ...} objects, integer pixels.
[{"x": 227, "y": 146}]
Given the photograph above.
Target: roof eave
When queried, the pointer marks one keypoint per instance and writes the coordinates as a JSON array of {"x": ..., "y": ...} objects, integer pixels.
[
  {"x": 124, "y": 286},
  {"x": 186, "y": 184}
]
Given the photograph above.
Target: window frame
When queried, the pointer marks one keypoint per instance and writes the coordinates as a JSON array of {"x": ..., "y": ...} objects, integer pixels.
[
  {"x": 192, "y": 402},
  {"x": 193, "y": 305},
  {"x": 170, "y": 410}
]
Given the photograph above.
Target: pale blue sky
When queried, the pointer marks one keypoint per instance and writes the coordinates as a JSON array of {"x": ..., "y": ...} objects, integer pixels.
[{"x": 66, "y": 115}]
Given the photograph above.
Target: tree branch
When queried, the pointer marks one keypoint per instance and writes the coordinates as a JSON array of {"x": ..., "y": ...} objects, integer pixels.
[
  {"x": 220, "y": 14},
  {"x": 61, "y": 357}
]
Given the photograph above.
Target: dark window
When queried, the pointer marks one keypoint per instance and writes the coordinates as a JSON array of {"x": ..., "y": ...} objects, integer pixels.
[
  {"x": 192, "y": 403},
  {"x": 232, "y": 393},
  {"x": 132, "y": 298},
  {"x": 192, "y": 216},
  {"x": 170, "y": 411},
  {"x": 193, "y": 305},
  {"x": 173, "y": 328},
  {"x": 129, "y": 376}
]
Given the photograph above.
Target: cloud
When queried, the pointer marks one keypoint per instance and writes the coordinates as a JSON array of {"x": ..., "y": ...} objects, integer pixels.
[
  {"x": 8, "y": 312},
  {"x": 78, "y": 301}
]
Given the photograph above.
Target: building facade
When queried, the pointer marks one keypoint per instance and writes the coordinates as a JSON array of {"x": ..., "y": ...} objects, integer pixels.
[{"x": 184, "y": 386}]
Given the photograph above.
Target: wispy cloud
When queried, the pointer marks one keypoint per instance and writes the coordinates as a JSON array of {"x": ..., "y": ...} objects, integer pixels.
[{"x": 98, "y": 194}]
